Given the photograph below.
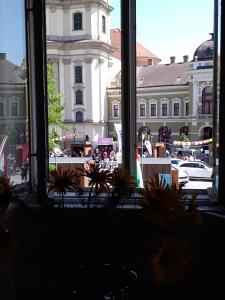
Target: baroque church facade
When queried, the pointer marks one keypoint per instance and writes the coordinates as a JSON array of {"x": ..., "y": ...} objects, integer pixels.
[{"x": 172, "y": 98}]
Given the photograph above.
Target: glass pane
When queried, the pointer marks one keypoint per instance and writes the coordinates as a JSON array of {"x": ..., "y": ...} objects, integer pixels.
[
  {"x": 14, "y": 127},
  {"x": 84, "y": 82},
  {"x": 175, "y": 72}
]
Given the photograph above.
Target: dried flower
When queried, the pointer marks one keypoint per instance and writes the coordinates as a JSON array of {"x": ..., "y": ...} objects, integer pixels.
[
  {"x": 122, "y": 181},
  {"x": 63, "y": 181},
  {"x": 99, "y": 179},
  {"x": 163, "y": 204}
]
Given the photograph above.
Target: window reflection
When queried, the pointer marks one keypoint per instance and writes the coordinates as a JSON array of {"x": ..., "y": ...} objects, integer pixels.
[{"x": 14, "y": 149}]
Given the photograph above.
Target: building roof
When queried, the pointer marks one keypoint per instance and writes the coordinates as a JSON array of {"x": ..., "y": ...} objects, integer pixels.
[
  {"x": 163, "y": 74},
  {"x": 10, "y": 73},
  {"x": 141, "y": 51},
  {"x": 205, "y": 50}
]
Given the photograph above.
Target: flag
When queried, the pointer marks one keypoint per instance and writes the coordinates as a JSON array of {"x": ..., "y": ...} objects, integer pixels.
[{"x": 139, "y": 178}]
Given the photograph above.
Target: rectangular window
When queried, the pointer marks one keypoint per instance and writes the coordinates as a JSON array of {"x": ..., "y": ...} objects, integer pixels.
[
  {"x": 14, "y": 109},
  {"x": 116, "y": 110},
  {"x": 78, "y": 74},
  {"x": 164, "y": 109},
  {"x": 142, "y": 110},
  {"x": 176, "y": 109},
  {"x": 153, "y": 110},
  {"x": 1, "y": 109},
  {"x": 77, "y": 21},
  {"x": 103, "y": 24},
  {"x": 186, "y": 109}
]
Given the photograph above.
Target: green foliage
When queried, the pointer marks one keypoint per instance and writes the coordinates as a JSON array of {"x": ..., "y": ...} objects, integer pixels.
[
  {"x": 55, "y": 107},
  {"x": 53, "y": 140},
  {"x": 114, "y": 135},
  {"x": 52, "y": 167},
  {"x": 184, "y": 138}
]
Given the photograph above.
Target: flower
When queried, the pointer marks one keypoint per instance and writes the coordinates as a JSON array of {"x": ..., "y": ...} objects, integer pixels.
[
  {"x": 99, "y": 179},
  {"x": 170, "y": 260},
  {"x": 7, "y": 193},
  {"x": 63, "y": 181},
  {"x": 163, "y": 204},
  {"x": 122, "y": 181}
]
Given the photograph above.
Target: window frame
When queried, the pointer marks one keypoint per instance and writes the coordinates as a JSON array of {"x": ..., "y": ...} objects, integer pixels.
[
  {"x": 115, "y": 103},
  {"x": 103, "y": 24},
  {"x": 14, "y": 100},
  {"x": 76, "y": 97},
  {"x": 207, "y": 104},
  {"x": 3, "y": 102},
  {"x": 80, "y": 27},
  {"x": 78, "y": 74},
  {"x": 82, "y": 114}
]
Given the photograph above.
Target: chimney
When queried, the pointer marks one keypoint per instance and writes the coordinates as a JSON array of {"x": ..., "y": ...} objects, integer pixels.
[
  {"x": 2, "y": 56},
  {"x": 172, "y": 59},
  {"x": 185, "y": 58}
]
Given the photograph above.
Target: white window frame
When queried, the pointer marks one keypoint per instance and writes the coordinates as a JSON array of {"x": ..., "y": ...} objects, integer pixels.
[
  {"x": 3, "y": 100},
  {"x": 164, "y": 101},
  {"x": 115, "y": 102},
  {"x": 142, "y": 101},
  {"x": 176, "y": 100},
  {"x": 14, "y": 100},
  {"x": 153, "y": 101}
]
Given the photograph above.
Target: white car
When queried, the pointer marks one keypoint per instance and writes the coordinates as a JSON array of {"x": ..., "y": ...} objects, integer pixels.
[
  {"x": 195, "y": 169},
  {"x": 175, "y": 161},
  {"x": 183, "y": 177}
]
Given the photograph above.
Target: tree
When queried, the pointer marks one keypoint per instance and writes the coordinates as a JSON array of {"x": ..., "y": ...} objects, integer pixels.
[{"x": 55, "y": 109}]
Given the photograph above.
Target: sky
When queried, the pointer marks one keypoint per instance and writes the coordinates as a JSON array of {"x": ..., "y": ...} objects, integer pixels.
[
  {"x": 166, "y": 27},
  {"x": 12, "y": 41},
  {"x": 170, "y": 27}
]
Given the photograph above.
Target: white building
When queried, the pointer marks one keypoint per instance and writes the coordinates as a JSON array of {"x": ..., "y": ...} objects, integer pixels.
[{"x": 79, "y": 47}]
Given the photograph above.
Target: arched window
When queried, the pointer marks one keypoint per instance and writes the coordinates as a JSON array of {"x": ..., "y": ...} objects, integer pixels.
[
  {"x": 164, "y": 135},
  {"x": 103, "y": 24},
  {"x": 77, "y": 21},
  {"x": 184, "y": 130},
  {"x": 79, "y": 116},
  {"x": 207, "y": 100},
  {"x": 79, "y": 97}
]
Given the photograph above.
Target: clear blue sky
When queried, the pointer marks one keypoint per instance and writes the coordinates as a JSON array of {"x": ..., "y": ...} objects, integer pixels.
[
  {"x": 166, "y": 27},
  {"x": 12, "y": 40},
  {"x": 171, "y": 27}
]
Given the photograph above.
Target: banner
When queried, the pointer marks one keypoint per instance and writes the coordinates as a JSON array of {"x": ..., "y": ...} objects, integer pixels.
[
  {"x": 119, "y": 134},
  {"x": 149, "y": 147}
]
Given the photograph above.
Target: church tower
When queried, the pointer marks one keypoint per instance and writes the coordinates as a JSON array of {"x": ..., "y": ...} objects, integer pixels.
[{"x": 79, "y": 47}]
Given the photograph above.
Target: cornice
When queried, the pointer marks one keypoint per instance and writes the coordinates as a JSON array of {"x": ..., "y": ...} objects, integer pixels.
[{"x": 66, "y": 4}]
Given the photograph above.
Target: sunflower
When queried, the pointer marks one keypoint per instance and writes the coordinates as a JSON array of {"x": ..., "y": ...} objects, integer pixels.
[
  {"x": 7, "y": 193},
  {"x": 63, "y": 181},
  {"x": 170, "y": 260},
  {"x": 100, "y": 179},
  {"x": 163, "y": 203}
]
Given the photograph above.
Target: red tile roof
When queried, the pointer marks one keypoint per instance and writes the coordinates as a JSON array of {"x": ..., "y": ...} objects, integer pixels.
[{"x": 143, "y": 54}]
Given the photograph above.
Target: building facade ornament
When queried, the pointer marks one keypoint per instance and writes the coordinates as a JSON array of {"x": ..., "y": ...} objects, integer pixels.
[{"x": 66, "y": 61}]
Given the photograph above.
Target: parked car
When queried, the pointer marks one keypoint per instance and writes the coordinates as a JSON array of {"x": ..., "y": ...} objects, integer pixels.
[
  {"x": 175, "y": 161},
  {"x": 183, "y": 177},
  {"x": 196, "y": 169}
]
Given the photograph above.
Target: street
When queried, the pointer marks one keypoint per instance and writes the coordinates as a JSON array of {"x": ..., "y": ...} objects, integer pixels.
[{"x": 197, "y": 184}]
